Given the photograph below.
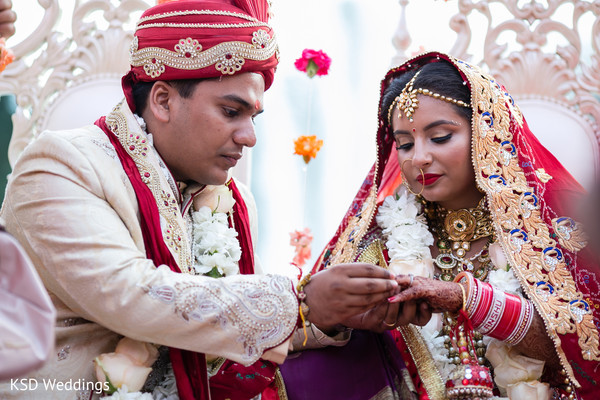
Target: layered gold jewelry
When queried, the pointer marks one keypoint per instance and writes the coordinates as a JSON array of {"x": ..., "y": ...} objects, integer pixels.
[
  {"x": 407, "y": 101},
  {"x": 456, "y": 229}
]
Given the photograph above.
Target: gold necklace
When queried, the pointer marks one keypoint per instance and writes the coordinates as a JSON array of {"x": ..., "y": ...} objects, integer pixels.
[{"x": 456, "y": 229}]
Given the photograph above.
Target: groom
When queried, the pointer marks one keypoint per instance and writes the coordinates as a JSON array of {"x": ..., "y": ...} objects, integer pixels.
[{"x": 106, "y": 213}]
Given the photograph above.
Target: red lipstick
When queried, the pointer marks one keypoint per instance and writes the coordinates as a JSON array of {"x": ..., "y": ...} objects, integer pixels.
[{"x": 430, "y": 179}]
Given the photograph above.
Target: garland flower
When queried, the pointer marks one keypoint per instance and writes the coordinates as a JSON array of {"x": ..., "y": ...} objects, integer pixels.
[
  {"x": 6, "y": 55},
  {"x": 124, "y": 372},
  {"x": 217, "y": 252},
  {"x": 404, "y": 226},
  {"x": 215, "y": 245},
  {"x": 307, "y": 147},
  {"x": 408, "y": 238},
  {"x": 301, "y": 241},
  {"x": 313, "y": 62}
]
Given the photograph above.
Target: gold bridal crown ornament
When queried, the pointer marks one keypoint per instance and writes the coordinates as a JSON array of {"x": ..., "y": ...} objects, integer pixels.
[{"x": 407, "y": 101}]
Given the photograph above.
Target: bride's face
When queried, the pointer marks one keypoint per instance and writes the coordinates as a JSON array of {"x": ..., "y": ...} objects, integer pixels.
[{"x": 438, "y": 141}]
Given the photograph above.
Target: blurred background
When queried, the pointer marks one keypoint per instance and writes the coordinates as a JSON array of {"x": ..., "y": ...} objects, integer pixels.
[{"x": 363, "y": 39}]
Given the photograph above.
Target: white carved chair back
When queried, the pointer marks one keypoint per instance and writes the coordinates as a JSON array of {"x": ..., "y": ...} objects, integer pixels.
[
  {"x": 68, "y": 80},
  {"x": 546, "y": 53}
]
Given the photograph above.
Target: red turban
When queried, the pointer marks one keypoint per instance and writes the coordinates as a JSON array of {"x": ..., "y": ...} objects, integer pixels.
[{"x": 197, "y": 39}]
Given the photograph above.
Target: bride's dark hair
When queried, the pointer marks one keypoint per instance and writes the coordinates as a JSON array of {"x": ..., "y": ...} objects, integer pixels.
[{"x": 439, "y": 77}]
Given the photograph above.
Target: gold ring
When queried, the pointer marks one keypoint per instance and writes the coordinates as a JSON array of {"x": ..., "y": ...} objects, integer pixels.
[{"x": 386, "y": 324}]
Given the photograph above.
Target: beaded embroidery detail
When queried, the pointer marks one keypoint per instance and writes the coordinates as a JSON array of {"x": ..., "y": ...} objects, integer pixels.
[
  {"x": 63, "y": 353},
  {"x": 107, "y": 148},
  {"x": 263, "y": 311},
  {"x": 529, "y": 243},
  {"x": 170, "y": 14},
  {"x": 202, "y": 25},
  {"x": 136, "y": 144},
  {"x": 569, "y": 233},
  {"x": 188, "y": 54}
]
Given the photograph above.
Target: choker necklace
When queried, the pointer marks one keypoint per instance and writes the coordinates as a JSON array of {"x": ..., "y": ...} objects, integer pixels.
[{"x": 456, "y": 229}]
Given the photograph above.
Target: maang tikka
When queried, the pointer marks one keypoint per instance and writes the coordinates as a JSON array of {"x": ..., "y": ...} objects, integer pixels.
[{"x": 407, "y": 101}]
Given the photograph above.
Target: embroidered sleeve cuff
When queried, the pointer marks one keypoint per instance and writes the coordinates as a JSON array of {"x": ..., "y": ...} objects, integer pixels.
[{"x": 317, "y": 339}]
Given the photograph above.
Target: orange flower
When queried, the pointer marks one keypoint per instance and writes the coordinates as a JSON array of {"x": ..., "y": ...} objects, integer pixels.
[
  {"x": 6, "y": 55},
  {"x": 307, "y": 147},
  {"x": 163, "y": 1}
]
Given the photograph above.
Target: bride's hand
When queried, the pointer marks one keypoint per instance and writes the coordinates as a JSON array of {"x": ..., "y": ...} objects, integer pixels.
[{"x": 439, "y": 295}]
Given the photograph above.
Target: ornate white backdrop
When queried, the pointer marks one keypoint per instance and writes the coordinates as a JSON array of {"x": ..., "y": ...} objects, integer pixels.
[
  {"x": 361, "y": 37},
  {"x": 545, "y": 52}
]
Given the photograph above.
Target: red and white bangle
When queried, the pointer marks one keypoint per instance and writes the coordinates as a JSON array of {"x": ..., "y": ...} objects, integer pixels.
[
  {"x": 525, "y": 318},
  {"x": 494, "y": 313},
  {"x": 482, "y": 304}
]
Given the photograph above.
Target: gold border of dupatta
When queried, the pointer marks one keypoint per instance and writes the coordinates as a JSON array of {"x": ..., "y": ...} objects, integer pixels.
[{"x": 516, "y": 215}]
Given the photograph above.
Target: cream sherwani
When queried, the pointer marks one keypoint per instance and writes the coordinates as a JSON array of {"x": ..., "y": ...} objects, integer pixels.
[{"x": 71, "y": 206}]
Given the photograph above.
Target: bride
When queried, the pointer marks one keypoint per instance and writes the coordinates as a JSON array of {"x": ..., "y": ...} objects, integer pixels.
[{"x": 473, "y": 211}]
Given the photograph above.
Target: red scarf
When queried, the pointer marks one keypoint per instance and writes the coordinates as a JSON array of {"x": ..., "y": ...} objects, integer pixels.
[{"x": 233, "y": 381}]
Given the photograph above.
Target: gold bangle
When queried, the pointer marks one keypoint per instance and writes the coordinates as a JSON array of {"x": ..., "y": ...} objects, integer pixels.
[{"x": 464, "y": 296}]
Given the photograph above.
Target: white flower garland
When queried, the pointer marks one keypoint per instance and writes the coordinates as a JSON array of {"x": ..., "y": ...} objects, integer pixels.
[
  {"x": 214, "y": 243},
  {"x": 404, "y": 226}
]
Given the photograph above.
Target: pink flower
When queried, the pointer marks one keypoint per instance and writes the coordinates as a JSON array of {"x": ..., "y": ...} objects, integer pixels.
[
  {"x": 313, "y": 62},
  {"x": 420, "y": 50},
  {"x": 301, "y": 240}
]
